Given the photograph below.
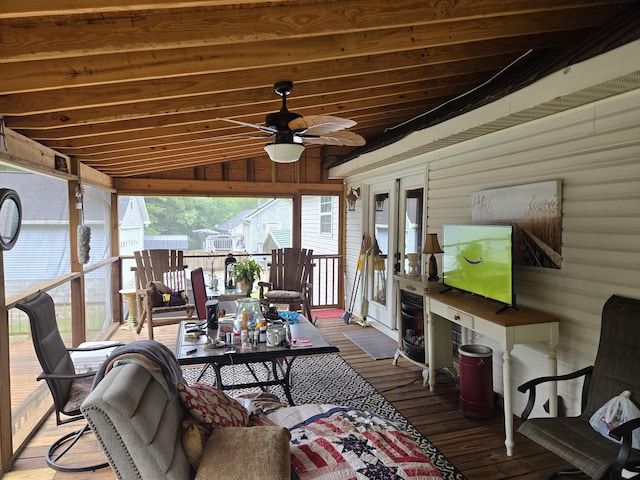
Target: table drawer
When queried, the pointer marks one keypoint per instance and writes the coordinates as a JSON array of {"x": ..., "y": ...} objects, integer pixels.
[{"x": 460, "y": 318}]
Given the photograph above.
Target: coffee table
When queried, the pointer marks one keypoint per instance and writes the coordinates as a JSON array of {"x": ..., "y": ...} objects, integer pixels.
[{"x": 308, "y": 341}]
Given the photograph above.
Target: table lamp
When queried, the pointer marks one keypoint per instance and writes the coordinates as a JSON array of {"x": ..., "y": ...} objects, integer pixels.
[{"x": 432, "y": 246}]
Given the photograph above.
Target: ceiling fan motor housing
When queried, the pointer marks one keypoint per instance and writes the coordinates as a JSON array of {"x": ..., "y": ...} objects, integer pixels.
[{"x": 280, "y": 120}]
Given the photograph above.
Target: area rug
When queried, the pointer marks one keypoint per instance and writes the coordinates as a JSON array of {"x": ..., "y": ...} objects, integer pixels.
[
  {"x": 375, "y": 343},
  {"x": 329, "y": 379},
  {"x": 332, "y": 313}
]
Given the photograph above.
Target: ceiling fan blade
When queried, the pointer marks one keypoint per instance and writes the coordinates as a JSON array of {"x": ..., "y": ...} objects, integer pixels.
[
  {"x": 346, "y": 138},
  {"x": 320, "y": 124},
  {"x": 264, "y": 128}
]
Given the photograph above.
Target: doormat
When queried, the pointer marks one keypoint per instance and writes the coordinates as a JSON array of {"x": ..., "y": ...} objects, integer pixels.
[
  {"x": 331, "y": 313},
  {"x": 375, "y": 343},
  {"x": 330, "y": 379}
]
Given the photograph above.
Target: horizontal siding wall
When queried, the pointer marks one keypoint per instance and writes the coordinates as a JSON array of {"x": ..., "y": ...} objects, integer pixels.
[
  {"x": 595, "y": 152},
  {"x": 353, "y": 239}
]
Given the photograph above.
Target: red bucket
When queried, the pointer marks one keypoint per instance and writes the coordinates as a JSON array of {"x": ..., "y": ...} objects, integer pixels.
[{"x": 476, "y": 381}]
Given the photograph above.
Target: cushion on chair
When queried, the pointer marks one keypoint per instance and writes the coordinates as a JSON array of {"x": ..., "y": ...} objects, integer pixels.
[
  {"x": 574, "y": 440},
  {"x": 161, "y": 295},
  {"x": 212, "y": 407},
  {"x": 174, "y": 299},
  {"x": 283, "y": 294},
  {"x": 156, "y": 289},
  {"x": 79, "y": 390},
  {"x": 249, "y": 453}
]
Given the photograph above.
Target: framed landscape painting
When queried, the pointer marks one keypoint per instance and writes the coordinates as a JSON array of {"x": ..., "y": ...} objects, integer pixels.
[{"x": 534, "y": 211}]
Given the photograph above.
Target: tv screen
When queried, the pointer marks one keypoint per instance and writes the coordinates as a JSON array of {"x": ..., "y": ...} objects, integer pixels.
[{"x": 477, "y": 259}]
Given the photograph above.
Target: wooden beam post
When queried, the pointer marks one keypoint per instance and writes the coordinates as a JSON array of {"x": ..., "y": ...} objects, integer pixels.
[
  {"x": 78, "y": 329},
  {"x": 6, "y": 424}
]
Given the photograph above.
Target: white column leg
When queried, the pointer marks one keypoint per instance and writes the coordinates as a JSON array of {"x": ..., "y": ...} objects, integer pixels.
[
  {"x": 508, "y": 415},
  {"x": 432, "y": 353}
]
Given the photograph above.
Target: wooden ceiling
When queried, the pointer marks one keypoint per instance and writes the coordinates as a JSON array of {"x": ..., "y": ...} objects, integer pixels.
[{"x": 133, "y": 88}]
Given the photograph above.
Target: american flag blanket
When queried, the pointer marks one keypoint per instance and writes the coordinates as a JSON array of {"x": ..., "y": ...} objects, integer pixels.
[{"x": 330, "y": 442}]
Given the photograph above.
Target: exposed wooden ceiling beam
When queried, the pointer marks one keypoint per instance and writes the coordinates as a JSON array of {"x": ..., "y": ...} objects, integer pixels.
[{"x": 133, "y": 87}]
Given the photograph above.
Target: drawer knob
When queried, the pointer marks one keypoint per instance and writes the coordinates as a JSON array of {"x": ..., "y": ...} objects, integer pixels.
[{"x": 456, "y": 317}]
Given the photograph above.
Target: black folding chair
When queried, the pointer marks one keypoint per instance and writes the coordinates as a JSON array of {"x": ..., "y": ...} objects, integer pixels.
[{"x": 68, "y": 388}]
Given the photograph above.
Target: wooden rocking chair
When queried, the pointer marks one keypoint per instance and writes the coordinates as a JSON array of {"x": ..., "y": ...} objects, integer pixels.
[
  {"x": 290, "y": 280},
  {"x": 158, "y": 273}
]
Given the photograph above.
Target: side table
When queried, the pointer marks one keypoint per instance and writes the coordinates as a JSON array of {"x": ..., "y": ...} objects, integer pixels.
[{"x": 129, "y": 294}]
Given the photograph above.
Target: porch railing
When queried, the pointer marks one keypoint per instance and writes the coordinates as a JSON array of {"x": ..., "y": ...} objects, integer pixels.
[{"x": 327, "y": 276}]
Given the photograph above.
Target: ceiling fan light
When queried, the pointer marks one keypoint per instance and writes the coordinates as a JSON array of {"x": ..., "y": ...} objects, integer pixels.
[{"x": 284, "y": 152}]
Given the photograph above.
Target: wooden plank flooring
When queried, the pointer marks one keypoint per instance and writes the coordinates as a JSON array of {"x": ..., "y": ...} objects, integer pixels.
[{"x": 476, "y": 447}]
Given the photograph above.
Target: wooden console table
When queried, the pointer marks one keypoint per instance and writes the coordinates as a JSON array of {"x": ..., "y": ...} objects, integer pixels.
[{"x": 511, "y": 327}]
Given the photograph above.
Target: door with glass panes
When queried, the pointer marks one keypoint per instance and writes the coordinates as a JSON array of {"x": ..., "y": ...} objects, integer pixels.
[
  {"x": 378, "y": 300},
  {"x": 396, "y": 224}
]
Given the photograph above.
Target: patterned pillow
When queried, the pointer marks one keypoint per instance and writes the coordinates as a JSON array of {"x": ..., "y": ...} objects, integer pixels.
[
  {"x": 162, "y": 296},
  {"x": 194, "y": 438},
  {"x": 212, "y": 407},
  {"x": 156, "y": 290}
]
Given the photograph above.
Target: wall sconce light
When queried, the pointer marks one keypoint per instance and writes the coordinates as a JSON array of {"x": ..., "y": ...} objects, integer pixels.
[
  {"x": 352, "y": 196},
  {"x": 432, "y": 246},
  {"x": 379, "y": 204}
]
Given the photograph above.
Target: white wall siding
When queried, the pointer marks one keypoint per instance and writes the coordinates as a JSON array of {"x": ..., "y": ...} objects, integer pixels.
[
  {"x": 353, "y": 240},
  {"x": 595, "y": 151}
]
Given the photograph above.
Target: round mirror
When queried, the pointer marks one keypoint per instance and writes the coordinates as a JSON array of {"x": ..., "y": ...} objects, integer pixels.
[{"x": 10, "y": 218}]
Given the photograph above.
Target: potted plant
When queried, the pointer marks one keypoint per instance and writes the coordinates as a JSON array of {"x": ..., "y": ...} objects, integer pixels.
[{"x": 246, "y": 272}]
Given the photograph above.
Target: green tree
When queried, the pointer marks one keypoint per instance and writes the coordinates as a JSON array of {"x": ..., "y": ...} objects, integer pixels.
[{"x": 183, "y": 215}]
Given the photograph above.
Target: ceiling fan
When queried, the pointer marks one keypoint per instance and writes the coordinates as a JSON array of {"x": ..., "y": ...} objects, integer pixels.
[{"x": 291, "y": 130}]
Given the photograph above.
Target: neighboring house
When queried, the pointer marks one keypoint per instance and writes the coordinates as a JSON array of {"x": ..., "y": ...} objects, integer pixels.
[
  {"x": 134, "y": 217},
  {"x": 277, "y": 239},
  {"x": 174, "y": 242},
  {"x": 249, "y": 228},
  {"x": 233, "y": 229},
  {"x": 218, "y": 242},
  {"x": 320, "y": 224},
  {"x": 320, "y": 232},
  {"x": 28, "y": 263}
]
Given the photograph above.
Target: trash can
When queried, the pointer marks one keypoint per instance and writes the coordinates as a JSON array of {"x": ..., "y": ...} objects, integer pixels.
[{"x": 476, "y": 381}]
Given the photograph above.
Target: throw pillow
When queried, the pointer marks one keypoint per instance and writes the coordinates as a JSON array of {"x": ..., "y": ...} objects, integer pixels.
[
  {"x": 255, "y": 452},
  {"x": 156, "y": 289},
  {"x": 172, "y": 299},
  {"x": 162, "y": 296},
  {"x": 212, "y": 407},
  {"x": 194, "y": 438}
]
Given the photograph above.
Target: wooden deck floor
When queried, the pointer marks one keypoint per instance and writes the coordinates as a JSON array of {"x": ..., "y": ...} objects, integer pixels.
[{"x": 476, "y": 447}]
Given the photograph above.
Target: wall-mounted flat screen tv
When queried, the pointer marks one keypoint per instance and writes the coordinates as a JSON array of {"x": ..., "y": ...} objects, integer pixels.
[{"x": 478, "y": 259}]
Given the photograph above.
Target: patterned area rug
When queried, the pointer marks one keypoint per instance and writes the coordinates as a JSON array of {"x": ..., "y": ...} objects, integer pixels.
[
  {"x": 374, "y": 342},
  {"x": 329, "y": 379}
]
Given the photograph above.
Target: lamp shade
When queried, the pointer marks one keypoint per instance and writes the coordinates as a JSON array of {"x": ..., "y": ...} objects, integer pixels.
[
  {"x": 284, "y": 152},
  {"x": 431, "y": 244}
]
